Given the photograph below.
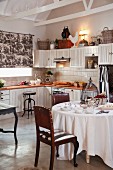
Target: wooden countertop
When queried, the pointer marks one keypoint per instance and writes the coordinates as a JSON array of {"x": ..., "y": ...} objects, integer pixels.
[{"x": 41, "y": 85}]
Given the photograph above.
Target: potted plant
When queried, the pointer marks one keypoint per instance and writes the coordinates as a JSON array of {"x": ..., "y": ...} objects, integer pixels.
[
  {"x": 2, "y": 82},
  {"x": 49, "y": 73}
]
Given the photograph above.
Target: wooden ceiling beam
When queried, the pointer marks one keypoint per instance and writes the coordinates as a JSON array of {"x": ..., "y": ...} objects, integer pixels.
[
  {"x": 90, "y": 4},
  {"x": 76, "y": 15},
  {"x": 45, "y": 8},
  {"x": 87, "y": 7}
]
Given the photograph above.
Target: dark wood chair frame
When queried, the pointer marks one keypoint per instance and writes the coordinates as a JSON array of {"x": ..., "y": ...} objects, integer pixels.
[
  {"x": 43, "y": 118},
  {"x": 60, "y": 98}
]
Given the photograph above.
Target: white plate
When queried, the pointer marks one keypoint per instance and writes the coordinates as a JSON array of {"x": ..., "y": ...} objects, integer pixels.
[
  {"x": 108, "y": 106},
  {"x": 66, "y": 108}
]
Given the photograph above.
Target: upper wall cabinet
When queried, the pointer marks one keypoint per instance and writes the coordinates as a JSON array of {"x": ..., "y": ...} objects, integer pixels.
[
  {"x": 62, "y": 53},
  {"x": 77, "y": 58},
  {"x": 40, "y": 58},
  {"x": 91, "y": 51},
  {"x": 50, "y": 59},
  {"x": 106, "y": 53},
  {"x": 44, "y": 58}
]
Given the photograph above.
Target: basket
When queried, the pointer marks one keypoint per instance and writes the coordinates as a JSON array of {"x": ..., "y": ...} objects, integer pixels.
[
  {"x": 43, "y": 45},
  {"x": 107, "y": 35},
  {"x": 64, "y": 44}
]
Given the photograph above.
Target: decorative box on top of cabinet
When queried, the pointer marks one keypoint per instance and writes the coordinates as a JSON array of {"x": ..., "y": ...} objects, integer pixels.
[{"x": 106, "y": 54}]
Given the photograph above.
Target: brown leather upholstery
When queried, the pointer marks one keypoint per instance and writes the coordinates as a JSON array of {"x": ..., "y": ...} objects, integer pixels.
[
  {"x": 60, "y": 98},
  {"x": 47, "y": 135}
]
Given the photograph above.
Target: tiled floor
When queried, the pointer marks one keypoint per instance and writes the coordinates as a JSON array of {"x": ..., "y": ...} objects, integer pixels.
[{"x": 13, "y": 159}]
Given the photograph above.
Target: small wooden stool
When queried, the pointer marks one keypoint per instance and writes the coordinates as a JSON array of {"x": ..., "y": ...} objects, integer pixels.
[{"x": 29, "y": 101}]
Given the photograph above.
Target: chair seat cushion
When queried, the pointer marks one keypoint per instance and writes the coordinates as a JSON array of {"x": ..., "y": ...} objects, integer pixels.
[{"x": 60, "y": 135}]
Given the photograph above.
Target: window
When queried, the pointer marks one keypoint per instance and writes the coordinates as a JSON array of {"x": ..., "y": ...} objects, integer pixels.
[{"x": 15, "y": 72}]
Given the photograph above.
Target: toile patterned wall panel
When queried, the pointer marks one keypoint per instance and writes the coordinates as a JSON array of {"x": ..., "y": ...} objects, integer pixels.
[{"x": 15, "y": 50}]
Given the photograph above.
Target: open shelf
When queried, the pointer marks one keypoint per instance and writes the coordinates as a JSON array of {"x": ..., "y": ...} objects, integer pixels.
[{"x": 91, "y": 62}]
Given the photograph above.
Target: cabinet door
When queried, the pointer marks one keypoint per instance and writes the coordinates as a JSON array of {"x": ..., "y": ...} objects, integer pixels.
[
  {"x": 40, "y": 58},
  {"x": 105, "y": 54},
  {"x": 47, "y": 97},
  {"x": 111, "y": 53},
  {"x": 50, "y": 60},
  {"x": 77, "y": 58},
  {"x": 74, "y": 94},
  {"x": 43, "y": 57},
  {"x": 71, "y": 94},
  {"x": 40, "y": 96},
  {"x": 62, "y": 53},
  {"x": 77, "y": 95},
  {"x": 4, "y": 96},
  {"x": 16, "y": 99},
  {"x": 92, "y": 50}
]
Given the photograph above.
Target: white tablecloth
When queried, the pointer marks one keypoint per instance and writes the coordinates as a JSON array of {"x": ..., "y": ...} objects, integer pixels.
[{"x": 94, "y": 131}]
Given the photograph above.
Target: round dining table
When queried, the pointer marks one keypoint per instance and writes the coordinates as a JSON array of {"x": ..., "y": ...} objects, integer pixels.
[{"x": 92, "y": 128}]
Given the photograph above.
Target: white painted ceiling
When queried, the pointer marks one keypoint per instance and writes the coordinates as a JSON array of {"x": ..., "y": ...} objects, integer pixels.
[
  {"x": 44, "y": 12},
  {"x": 12, "y": 7}
]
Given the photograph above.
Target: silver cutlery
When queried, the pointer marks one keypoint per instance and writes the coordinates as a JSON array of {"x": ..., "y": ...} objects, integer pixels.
[{"x": 102, "y": 111}]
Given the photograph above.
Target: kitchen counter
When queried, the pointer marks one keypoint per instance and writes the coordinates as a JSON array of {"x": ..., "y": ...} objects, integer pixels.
[{"x": 41, "y": 85}]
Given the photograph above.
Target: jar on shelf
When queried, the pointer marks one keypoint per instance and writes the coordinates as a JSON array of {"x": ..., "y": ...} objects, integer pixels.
[
  {"x": 52, "y": 45},
  {"x": 90, "y": 64}
]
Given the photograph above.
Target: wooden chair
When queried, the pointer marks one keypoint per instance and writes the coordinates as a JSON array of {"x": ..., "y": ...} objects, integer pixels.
[
  {"x": 43, "y": 120},
  {"x": 60, "y": 98}
]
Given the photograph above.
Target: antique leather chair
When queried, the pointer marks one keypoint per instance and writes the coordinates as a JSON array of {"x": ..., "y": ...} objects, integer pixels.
[
  {"x": 54, "y": 138},
  {"x": 60, "y": 98}
]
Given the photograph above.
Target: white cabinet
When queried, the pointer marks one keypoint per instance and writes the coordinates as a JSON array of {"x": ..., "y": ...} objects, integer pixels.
[
  {"x": 40, "y": 96},
  {"x": 4, "y": 96},
  {"x": 50, "y": 59},
  {"x": 44, "y": 58},
  {"x": 75, "y": 95},
  {"x": 40, "y": 58},
  {"x": 91, "y": 51},
  {"x": 62, "y": 53},
  {"x": 106, "y": 53},
  {"x": 47, "y": 97},
  {"x": 17, "y": 99},
  {"x": 77, "y": 58}
]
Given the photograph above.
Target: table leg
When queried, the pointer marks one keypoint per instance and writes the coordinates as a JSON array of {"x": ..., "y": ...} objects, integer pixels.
[
  {"x": 87, "y": 158},
  {"x": 15, "y": 126}
]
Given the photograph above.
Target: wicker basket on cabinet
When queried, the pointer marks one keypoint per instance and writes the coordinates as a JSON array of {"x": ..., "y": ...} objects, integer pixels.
[
  {"x": 43, "y": 45},
  {"x": 107, "y": 35}
]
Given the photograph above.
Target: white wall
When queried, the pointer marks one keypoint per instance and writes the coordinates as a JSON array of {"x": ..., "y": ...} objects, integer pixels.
[
  {"x": 94, "y": 23},
  {"x": 24, "y": 26}
]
